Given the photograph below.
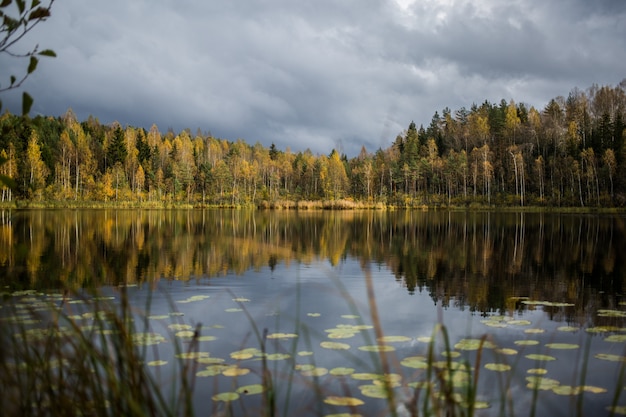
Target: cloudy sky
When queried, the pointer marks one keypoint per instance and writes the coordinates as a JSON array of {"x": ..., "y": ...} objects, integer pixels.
[{"x": 315, "y": 74}]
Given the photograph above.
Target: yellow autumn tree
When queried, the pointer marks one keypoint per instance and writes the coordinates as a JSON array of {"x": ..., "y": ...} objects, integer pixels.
[{"x": 35, "y": 168}]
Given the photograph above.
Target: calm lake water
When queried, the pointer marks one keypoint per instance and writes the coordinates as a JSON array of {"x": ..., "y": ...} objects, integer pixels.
[{"x": 530, "y": 283}]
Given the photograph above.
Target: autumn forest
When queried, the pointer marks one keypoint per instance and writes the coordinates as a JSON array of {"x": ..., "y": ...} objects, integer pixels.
[{"x": 570, "y": 153}]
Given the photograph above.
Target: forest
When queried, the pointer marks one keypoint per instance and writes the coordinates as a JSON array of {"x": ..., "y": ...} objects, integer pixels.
[{"x": 571, "y": 153}]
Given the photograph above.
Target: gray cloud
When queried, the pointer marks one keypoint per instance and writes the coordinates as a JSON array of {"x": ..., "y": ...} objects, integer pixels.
[{"x": 316, "y": 74}]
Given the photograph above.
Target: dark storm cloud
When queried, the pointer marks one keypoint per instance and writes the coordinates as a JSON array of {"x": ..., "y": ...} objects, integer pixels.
[{"x": 316, "y": 74}]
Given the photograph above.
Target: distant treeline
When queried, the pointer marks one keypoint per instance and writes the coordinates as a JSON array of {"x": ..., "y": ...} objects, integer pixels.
[{"x": 570, "y": 153}]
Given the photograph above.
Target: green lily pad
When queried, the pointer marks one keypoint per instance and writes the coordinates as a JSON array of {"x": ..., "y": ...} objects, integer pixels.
[
  {"x": 281, "y": 335},
  {"x": 246, "y": 353},
  {"x": 235, "y": 370},
  {"x": 157, "y": 363},
  {"x": 277, "y": 356},
  {"x": 519, "y": 322},
  {"x": 305, "y": 353},
  {"x": 334, "y": 345},
  {"x": 350, "y": 316},
  {"x": 159, "y": 317},
  {"x": 211, "y": 370},
  {"x": 225, "y": 397},
  {"x": 417, "y": 362},
  {"x": 603, "y": 329},
  {"x": 315, "y": 372},
  {"x": 566, "y": 390},
  {"x": 393, "y": 339},
  {"x": 241, "y": 300},
  {"x": 233, "y": 310},
  {"x": 313, "y": 314},
  {"x": 541, "y": 383},
  {"x": 618, "y": 338},
  {"x": 341, "y": 371},
  {"x": 365, "y": 376},
  {"x": 206, "y": 338},
  {"x": 593, "y": 390},
  {"x": 210, "y": 361},
  {"x": 250, "y": 389},
  {"x": 498, "y": 367},
  {"x": 185, "y": 333},
  {"x": 374, "y": 391},
  {"x": 526, "y": 342},
  {"x": 377, "y": 348},
  {"x": 610, "y": 357},
  {"x": 534, "y": 331},
  {"x": 611, "y": 313},
  {"x": 506, "y": 351},
  {"x": 617, "y": 409},
  {"x": 424, "y": 339},
  {"x": 537, "y": 371},
  {"x": 562, "y": 346},
  {"x": 450, "y": 353},
  {"x": 178, "y": 326},
  {"x": 539, "y": 357},
  {"x": 147, "y": 339},
  {"x": 192, "y": 355},
  {"x": 345, "y": 401},
  {"x": 473, "y": 344},
  {"x": 568, "y": 329}
]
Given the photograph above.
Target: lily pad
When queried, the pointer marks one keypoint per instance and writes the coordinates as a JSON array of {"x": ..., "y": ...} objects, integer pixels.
[
  {"x": 315, "y": 371},
  {"x": 562, "y": 346},
  {"x": 233, "y": 310},
  {"x": 281, "y": 335},
  {"x": 211, "y": 370},
  {"x": 234, "y": 370},
  {"x": 537, "y": 371},
  {"x": 185, "y": 333},
  {"x": 334, "y": 345},
  {"x": 147, "y": 339},
  {"x": 345, "y": 401},
  {"x": 210, "y": 361},
  {"x": 277, "y": 356},
  {"x": 241, "y": 300},
  {"x": 250, "y": 389},
  {"x": 526, "y": 342},
  {"x": 610, "y": 357},
  {"x": 568, "y": 329},
  {"x": 377, "y": 348},
  {"x": 541, "y": 383},
  {"x": 374, "y": 391},
  {"x": 473, "y": 344},
  {"x": 567, "y": 390},
  {"x": 179, "y": 326},
  {"x": 225, "y": 397},
  {"x": 341, "y": 371},
  {"x": 157, "y": 363},
  {"x": 305, "y": 353},
  {"x": 350, "y": 316},
  {"x": 245, "y": 353},
  {"x": 617, "y": 409},
  {"x": 393, "y": 339},
  {"x": 313, "y": 314},
  {"x": 192, "y": 355},
  {"x": 540, "y": 357},
  {"x": 506, "y": 351},
  {"x": 534, "y": 331},
  {"x": 417, "y": 362},
  {"x": 206, "y": 338},
  {"x": 619, "y": 338},
  {"x": 498, "y": 367}
]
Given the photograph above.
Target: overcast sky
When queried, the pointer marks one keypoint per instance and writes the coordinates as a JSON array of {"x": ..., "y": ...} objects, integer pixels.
[{"x": 315, "y": 74}]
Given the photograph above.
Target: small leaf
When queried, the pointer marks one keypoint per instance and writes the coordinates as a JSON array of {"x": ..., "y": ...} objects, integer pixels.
[
  {"x": 13, "y": 79},
  {"x": 34, "y": 4},
  {"x": 32, "y": 65},
  {"x": 5, "y": 3},
  {"x": 39, "y": 13},
  {"x": 27, "y": 103},
  {"x": 48, "y": 52},
  {"x": 21, "y": 5}
]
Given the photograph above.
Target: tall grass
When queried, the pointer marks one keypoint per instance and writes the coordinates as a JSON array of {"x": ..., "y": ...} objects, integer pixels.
[{"x": 52, "y": 364}]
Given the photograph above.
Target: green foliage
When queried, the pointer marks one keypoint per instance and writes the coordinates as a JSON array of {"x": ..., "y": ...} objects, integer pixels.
[{"x": 12, "y": 29}]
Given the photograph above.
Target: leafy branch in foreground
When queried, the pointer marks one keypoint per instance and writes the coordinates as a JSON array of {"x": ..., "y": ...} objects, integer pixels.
[{"x": 17, "y": 20}]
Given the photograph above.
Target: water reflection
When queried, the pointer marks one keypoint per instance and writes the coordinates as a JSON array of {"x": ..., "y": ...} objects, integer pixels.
[{"x": 472, "y": 260}]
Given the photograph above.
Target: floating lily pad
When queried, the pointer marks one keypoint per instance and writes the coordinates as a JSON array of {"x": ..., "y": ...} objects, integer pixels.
[
  {"x": 211, "y": 361},
  {"x": 185, "y": 333},
  {"x": 192, "y": 355},
  {"x": 534, "y": 331},
  {"x": 157, "y": 363},
  {"x": 417, "y": 362},
  {"x": 304, "y": 367},
  {"x": 603, "y": 329},
  {"x": 526, "y": 342},
  {"x": 617, "y": 409},
  {"x": 334, "y": 345},
  {"x": 568, "y": 329},
  {"x": 281, "y": 335},
  {"x": 424, "y": 339},
  {"x": 245, "y": 353},
  {"x": 562, "y": 346},
  {"x": 211, "y": 370},
  {"x": 541, "y": 383},
  {"x": 374, "y": 391},
  {"x": 206, "y": 338},
  {"x": 519, "y": 322},
  {"x": 313, "y": 314},
  {"x": 315, "y": 371},
  {"x": 393, "y": 339},
  {"x": 567, "y": 390},
  {"x": 619, "y": 338},
  {"x": 593, "y": 390},
  {"x": 176, "y": 314},
  {"x": 241, "y": 300},
  {"x": 451, "y": 353},
  {"x": 277, "y": 356},
  {"x": 539, "y": 357},
  {"x": 498, "y": 367},
  {"x": 365, "y": 376},
  {"x": 159, "y": 317},
  {"x": 341, "y": 371},
  {"x": 178, "y": 326},
  {"x": 506, "y": 351},
  {"x": 233, "y": 310},
  {"x": 473, "y": 344},
  {"x": 250, "y": 389},
  {"x": 346, "y": 401},
  {"x": 147, "y": 339},
  {"x": 234, "y": 370},
  {"x": 350, "y": 316},
  {"x": 610, "y": 357},
  {"x": 537, "y": 371},
  {"x": 193, "y": 298},
  {"x": 377, "y": 348},
  {"x": 225, "y": 397},
  {"x": 611, "y": 313}
]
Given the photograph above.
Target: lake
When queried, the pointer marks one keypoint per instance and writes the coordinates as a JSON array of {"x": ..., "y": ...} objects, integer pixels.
[{"x": 328, "y": 301}]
